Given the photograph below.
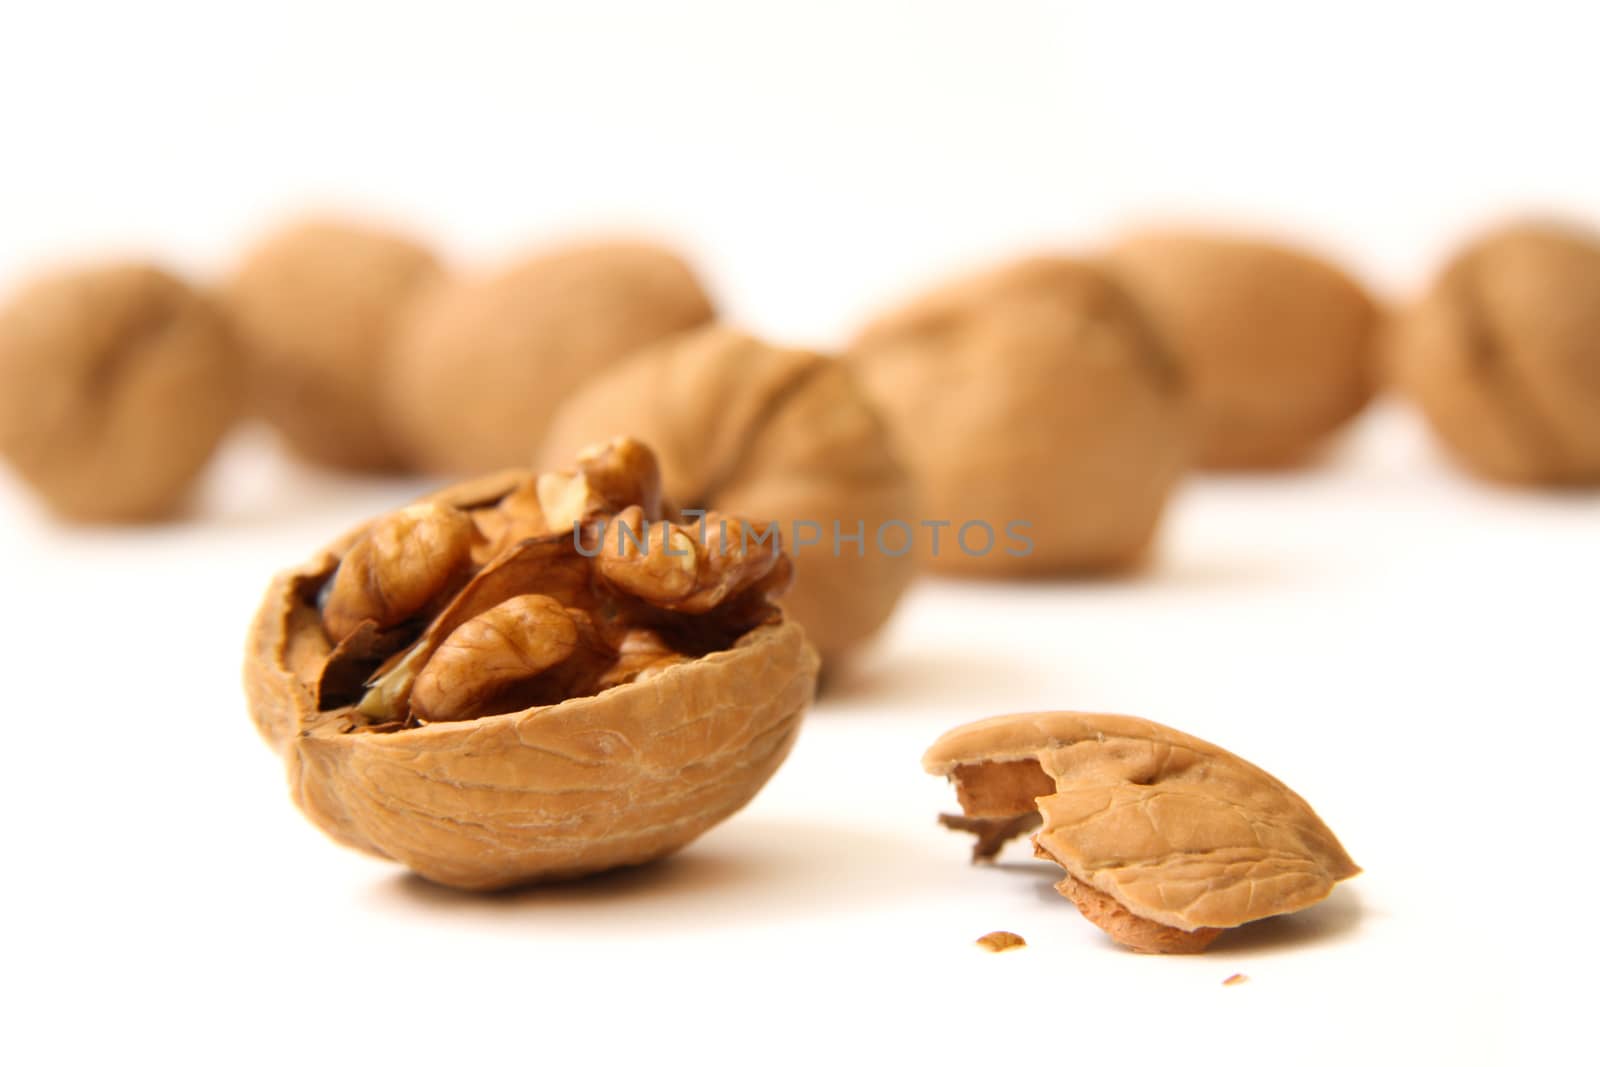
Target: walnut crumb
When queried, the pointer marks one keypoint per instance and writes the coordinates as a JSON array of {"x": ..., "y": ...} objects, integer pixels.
[
  {"x": 1000, "y": 941},
  {"x": 1236, "y": 979}
]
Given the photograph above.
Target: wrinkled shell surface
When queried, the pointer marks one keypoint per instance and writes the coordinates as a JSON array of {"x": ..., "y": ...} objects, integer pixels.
[
  {"x": 1277, "y": 347},
  {"x": 1171, "y": 828},
  {"x": 751, "y": 429},
  {"x": 1503, "y": 355},
  {"x": 1034, "y": 392},
  {"x": 316, "y": 305},
  {"x": 116, "y": 383},
  {"x": 623, "y": 777},
  {"x": 483, "y": 363}
]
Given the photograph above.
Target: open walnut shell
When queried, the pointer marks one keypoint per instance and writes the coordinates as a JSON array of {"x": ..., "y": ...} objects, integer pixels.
[
  {"x": 530, "y": 721},
  {"x": 1166, "y": 840}
]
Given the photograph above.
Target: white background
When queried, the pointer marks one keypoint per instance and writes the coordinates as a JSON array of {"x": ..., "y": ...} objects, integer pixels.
[{"x": 1413, "y": 652}]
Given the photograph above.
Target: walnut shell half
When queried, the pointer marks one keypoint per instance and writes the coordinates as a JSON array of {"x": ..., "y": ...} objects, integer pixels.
[
  {"x": 1166, "y": 839},
  {"x": 658, "y": 749}
]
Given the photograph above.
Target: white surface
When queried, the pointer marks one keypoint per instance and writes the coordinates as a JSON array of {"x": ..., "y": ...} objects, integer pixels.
[{"x": 1412, "y": 652}]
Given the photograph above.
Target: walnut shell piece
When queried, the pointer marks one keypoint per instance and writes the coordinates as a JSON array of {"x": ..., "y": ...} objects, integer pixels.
[
  {"x": 1503, "y": 355},
  {"x": 1277, "y": 346},
  {"x": 1166, "y": 839},
  {"x": 747, "y": 428},
  {"x": 483, "y": 362},
  {"x": 116, "y": 384},
  {"x": 317, "y": 304},
  {"x": 557, "y": 726},
  {"x": 1031, "y": 399}
]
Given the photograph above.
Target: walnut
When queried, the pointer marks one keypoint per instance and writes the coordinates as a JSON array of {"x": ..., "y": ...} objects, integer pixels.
[
  {"x": 316, "y": 304},
  {"x": 1166, "y": 840},
  {"x": 1503, "y": 355},
  {"x": 1031, "y": 401},
  {"x": 482, "y": 363},
  {"x": 747, "y": 428},
  {"x": 404, "y": 563},
  {"x": 116, "y": 384},
  {"x": 1277, "y": 346},
  {"x": 530, "y": 718}
]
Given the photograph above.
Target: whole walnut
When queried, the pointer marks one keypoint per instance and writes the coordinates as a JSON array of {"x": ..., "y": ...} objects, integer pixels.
[
  {"x": 747, "y": 427},
  {"x": 116, "y": 383},
  {"x": 1503, "y": 355},
  {"x": 1277, "y": 346},
  {"x": 316, "y": 305},
  {"x": 530, "y": 676},
  {"x": 483, "y": 363},
  {"x": 1042, "y": 420}
]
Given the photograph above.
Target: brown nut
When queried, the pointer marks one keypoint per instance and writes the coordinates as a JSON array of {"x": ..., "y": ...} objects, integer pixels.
[
  {"x": 483, "y": 363},
  {"x": 1166, "y": 840},
  {"x": 751, "y": 429},
  {"x": 316, "y": 305},
  {"x": 1503, "y": 355},
  {"x": 1033, "y": 400},
  {"x": 541, "y": 723},
  {"x": 403, "y": 563},
  {"x": 116, "y": 383},
  {"x": 505, "y": 658},
  {"x": 1276, "y": 346}
]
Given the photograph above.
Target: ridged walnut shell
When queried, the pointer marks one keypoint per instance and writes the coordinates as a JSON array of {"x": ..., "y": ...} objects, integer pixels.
[
  {"x": 482, "y": 363},
  {"x": 1162, "y": 835},
  {"x": 1503, "y": 355},
  {"x": 749, "y": 428},
  {"x": 116, "y": 384},
  {"x": 317, "y": 304},
  {"x": 1277, "y": 346},
  {"x": 1033, "y": 393},
  {"x": 621, "y": 778}
]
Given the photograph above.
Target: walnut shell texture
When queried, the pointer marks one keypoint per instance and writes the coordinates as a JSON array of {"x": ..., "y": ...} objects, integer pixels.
[
  {"x": 317, "y": 304},
  {"x": 116, "y": 384},
  {"x": 745, "y": 427},
  {"x": 1503, "y": 355},
  {"x": 1172, "y": 830},
  {"x": 550, "y": 792},
  {"x": 483, "y": 363},
  {"x": 1031, "y": 393},
  {"x": 1278, "y": 347}
]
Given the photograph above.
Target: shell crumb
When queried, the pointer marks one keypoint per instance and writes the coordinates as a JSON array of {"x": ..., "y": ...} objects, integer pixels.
[
  {"x": 1236, "y": 979},
  {"x": 1000, "y": 941}
]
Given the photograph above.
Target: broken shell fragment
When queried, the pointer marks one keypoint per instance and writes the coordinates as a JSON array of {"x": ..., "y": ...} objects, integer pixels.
[{"x": 1166, "y": 840}]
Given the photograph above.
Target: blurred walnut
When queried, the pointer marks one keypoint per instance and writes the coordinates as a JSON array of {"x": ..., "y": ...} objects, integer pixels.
[
  {"x": 539, "y": 713},
  {"x": 1275, "y": 346},
  {"x": 1030, "y": 399},
  {"x": 116, "y": 383},
  {"x": 483, "y": 363},
  {"x": 747, "y": 428},
  {"x": 1503, "y": 355},
  {"x": 1166, "y": 840},
  {"x": 316, "y": 305}
]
